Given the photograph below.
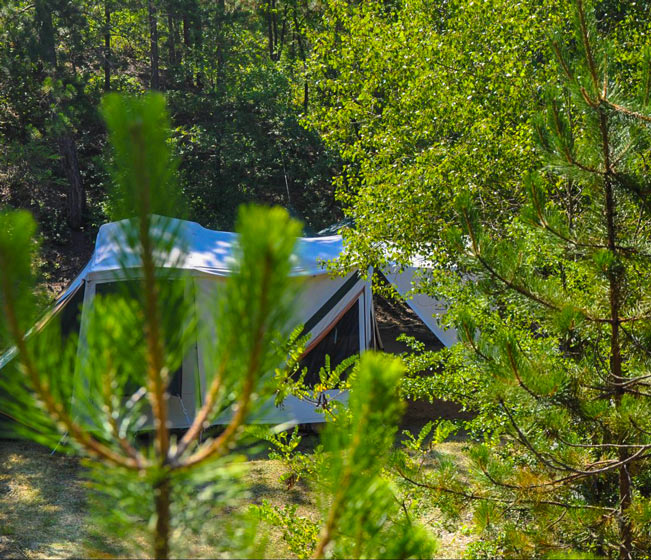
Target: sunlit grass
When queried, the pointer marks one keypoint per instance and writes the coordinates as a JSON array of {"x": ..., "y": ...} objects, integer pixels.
[{"x": 43, "y": 512}]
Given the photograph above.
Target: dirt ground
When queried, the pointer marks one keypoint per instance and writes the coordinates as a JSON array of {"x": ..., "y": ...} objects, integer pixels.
[{"x": 44, "y": 514}]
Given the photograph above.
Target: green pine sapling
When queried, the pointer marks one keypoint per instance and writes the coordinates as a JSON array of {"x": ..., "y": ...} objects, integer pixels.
[{"x": 92, "y": 389}]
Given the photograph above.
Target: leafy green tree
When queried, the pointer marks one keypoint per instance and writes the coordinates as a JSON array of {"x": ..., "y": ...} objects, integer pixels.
[
  {"x": 424, "y": 100},
  {"x": 554, "y": 315}
]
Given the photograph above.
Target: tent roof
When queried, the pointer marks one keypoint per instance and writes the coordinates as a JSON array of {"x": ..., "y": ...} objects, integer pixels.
[{"x": 203, "y": 250}]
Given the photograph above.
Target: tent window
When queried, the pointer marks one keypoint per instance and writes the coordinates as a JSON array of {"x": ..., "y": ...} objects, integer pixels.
[
  {"x": 71, "y": 313},
  {"x": 174, "y": 388},
  {"x": 341, "y": 342},
  {"x": 131, "y": 288}
]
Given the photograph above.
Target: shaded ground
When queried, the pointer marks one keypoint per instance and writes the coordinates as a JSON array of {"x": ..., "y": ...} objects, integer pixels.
[
  {"x": 62, "y": 262},
  {"x": 42, "y": 502},
  {"x": 43, "y": 512}
]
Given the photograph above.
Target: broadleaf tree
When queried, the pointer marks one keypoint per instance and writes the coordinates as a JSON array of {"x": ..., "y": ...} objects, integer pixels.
[{"x": 544, "y": 260}]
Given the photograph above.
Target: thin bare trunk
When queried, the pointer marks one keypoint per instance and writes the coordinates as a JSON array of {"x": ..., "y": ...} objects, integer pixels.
[
  {"x": 76, "y": 194},
  {"x": 153, "y": 43},
  {"x": 220, "y": 48},
  {"x": 186, "y": 30},
  {"x": 46, "y": 44},
  {"x": 171, "y": 24},
  {"x": 162, "y": 498},
  {"x": 615, "y": 281},
  {"x": 64, "y": 140},
  {"x": 270, "y": 27},
  {"x": 107, "y": 46},
  {"x": 198, "y": 41},
  {"x": 306, "y": 96}
]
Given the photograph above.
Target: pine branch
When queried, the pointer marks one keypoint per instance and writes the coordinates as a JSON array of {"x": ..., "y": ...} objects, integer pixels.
[
  {"x": 53, "y": 408},
  {"x": 578, "y": 473},
  {"x": 219, "y": 445},
  {"x": 626, "y": 111},
  {"x": 586, "y": 44},
  {"x": 516, "y": 373},
  {"x": 477, "y": 497},
  {"x": 107, "y": 393},
  {"x": 207, "y": 409}
]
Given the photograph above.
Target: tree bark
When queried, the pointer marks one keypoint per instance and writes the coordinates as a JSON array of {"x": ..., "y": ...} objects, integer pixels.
[
  {"x": 64, "y": 140},
  {"x": 615, "y": 281},
  {"x": 107, "y": 45},
  {"x": 153, "y": 44},
  {"x": 306, "y": 96},
  {"x": 302, "y": 51},
  {"x": 162, "y": 499},
  {"x": 270, "y": 27},
  {"x": 76, "y": 194},
  {"x": 186, "y": 30},
  {"x": 197, "y": 29},
  {"x": 171, "y": 24}
]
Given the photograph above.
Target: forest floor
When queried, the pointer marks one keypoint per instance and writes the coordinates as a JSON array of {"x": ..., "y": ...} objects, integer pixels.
[{"x": 44, "y": 511}]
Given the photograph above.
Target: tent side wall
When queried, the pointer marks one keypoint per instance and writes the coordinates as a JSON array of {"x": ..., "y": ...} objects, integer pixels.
[
  {"x": 322, "y": 303},
  {"x": 428, "y": 309}
]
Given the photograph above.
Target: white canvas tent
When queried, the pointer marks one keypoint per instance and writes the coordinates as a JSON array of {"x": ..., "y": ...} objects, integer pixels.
[{"x": 336, "y": 311}]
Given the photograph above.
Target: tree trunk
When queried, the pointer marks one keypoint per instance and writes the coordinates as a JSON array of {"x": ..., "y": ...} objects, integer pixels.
[
  {"x": 615, "y": 283},
  {"x": 306, "y": 96},
  {"x": 220, "y": 48},
  {"x": 107, "y": 46},
  {"x": 162, "y": 495},
  {"x": 186, "y": 30},
  {"x": 301, "y": 50},
  {"x": 76, "y": 194},
  {"x": 153, "y": 43},
  {"x": 171, "y": 24},
  {"x": 64, "y": 139},
  {"x": 271, "y": 5},
  {"x": 46, "y": 46},
  {"x": 198, "y": 40}
]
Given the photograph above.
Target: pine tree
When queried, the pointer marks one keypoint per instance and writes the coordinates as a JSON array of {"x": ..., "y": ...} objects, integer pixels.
[
  {"x": 557, "y": 325},
  {"x": 134, "y": 340}
]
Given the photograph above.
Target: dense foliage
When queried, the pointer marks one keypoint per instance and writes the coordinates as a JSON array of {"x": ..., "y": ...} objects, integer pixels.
[
  {"x": 233, "y": 75},
  {"x": 520, "y": 173}
]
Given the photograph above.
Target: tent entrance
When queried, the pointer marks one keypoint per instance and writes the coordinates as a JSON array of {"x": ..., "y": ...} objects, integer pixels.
[
  {"x": 181, "y": 387},
  {"x": 339, "y": 341}
]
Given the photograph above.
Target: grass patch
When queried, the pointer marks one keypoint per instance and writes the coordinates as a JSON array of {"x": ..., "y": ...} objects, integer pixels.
[{"x": 43, "y": 512}]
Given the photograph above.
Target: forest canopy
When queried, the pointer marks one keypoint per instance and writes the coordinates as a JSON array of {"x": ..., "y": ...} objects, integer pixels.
[{"x": 506, "y": 144}]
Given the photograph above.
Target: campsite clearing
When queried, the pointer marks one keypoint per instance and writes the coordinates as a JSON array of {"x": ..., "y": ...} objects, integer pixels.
[{"x": 43, "y": 510}]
